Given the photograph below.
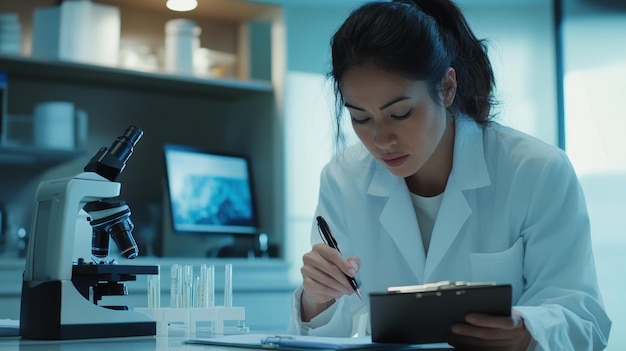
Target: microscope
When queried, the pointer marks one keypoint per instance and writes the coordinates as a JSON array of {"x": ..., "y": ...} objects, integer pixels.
[{"x": 56, "y": 288}]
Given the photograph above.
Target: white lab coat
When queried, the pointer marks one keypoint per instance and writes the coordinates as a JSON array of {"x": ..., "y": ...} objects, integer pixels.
[{"x": 512, "y": 212}]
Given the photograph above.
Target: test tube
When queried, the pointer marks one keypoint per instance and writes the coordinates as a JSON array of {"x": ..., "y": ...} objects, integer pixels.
[
  {"x": 176, "y": 285},
  {"x": 197, "y": 294},
  {"x": 187, "y": 286},
  {"x": 154, "y": 289},
  {"x": 228, "y": 285},
  {"x": 210, "y": 290},
  {"x": 205, "y": 289}
]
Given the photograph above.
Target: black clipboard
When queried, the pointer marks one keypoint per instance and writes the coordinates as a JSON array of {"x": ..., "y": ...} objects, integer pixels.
[{"x": 423, "y": 314}]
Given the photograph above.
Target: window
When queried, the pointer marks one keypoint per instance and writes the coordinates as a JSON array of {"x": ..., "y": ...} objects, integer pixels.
[{"x": 594, "y": 58}]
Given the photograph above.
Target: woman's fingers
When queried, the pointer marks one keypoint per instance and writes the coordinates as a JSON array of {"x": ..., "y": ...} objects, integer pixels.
[{"x": 324, "y": 273}]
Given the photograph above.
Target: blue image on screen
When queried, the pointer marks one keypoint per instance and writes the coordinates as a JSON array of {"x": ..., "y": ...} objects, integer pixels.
[
  {"x": 206, "y": 200},
  {"x": 209, "y": 193}
]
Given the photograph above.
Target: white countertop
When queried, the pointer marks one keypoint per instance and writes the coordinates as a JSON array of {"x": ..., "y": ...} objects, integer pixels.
[
  {"x": 109, "y": 344},
  {"x": 134, "y": 344}
]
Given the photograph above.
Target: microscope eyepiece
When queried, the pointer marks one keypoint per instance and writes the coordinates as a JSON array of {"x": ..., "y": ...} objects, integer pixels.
[
  {"x": 110, "y": 162},
  {"x": 111, "y": 219}
]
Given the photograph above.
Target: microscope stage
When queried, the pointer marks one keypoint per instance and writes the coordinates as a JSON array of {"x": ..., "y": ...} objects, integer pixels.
[{"x": 91, "y": 269}]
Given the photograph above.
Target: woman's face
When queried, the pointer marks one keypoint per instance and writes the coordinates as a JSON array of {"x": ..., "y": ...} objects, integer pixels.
[{"x": 396, "y": 118}]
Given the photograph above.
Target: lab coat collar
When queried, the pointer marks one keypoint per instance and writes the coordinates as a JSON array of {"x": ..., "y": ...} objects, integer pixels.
[
  {"x": 468, "y": 166},
  {"x": 469, "y": 171}
]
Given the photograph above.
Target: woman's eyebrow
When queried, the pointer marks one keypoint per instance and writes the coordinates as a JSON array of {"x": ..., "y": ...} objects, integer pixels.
[{"x": 398, "y": 99}]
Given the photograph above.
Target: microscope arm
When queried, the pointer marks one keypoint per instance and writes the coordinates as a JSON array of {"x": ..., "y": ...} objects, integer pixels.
[{"x": 58, "y": 204}]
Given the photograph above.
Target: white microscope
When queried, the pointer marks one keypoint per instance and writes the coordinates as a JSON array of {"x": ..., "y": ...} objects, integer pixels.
[{"x": 55, "y": 291}]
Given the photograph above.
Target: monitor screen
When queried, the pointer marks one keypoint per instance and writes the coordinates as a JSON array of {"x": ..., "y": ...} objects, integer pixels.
[{"x": 208, "y": 192}]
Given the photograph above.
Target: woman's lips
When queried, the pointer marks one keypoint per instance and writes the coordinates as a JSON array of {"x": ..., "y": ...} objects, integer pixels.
[{"x": 394, "y": 160}]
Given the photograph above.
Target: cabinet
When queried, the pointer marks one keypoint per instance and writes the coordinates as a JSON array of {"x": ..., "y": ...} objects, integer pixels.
[{"x": 233, "y": 115}]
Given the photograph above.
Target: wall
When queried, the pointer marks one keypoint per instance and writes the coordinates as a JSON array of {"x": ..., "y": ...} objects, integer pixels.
[
  {"x": 521, "y": 48},
  {"x": 308, "y": 119}
]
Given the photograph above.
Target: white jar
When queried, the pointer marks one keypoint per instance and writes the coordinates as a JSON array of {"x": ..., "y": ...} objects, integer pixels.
[
  {"x": 10, "y": 33},
  {"x": 182, "y": 39},
  {"x": 53, "y": 125}
]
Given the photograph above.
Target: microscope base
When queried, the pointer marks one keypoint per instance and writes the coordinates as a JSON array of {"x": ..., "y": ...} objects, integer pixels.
[{"x": 55, "y": 310}]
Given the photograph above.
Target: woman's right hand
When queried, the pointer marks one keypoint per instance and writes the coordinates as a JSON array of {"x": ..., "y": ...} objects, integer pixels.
[{"x": 324, "y": 273}]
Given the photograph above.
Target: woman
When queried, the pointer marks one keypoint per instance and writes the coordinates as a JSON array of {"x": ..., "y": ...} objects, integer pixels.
[{"x": 437, "y": 191}]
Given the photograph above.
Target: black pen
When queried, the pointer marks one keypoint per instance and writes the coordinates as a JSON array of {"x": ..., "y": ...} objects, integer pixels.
[{"x": 329, "y": 240}]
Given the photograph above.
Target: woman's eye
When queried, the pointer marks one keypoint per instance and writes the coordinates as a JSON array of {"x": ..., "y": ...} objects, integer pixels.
[
  {"x": 360, "y": 120},
  {"x": 403, "y": 116}
]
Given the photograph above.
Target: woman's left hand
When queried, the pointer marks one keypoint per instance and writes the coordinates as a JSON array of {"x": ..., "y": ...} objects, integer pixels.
[{"x": 488, "y": 332}]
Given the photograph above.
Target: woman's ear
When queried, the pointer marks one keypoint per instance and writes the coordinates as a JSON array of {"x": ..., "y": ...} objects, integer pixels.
[{"x": 449, "y": 87}]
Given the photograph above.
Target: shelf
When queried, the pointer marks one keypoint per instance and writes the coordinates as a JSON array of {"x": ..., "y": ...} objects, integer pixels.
[
  {"x": 26, "y": 67},
  {"x": 24, "y": 155}
]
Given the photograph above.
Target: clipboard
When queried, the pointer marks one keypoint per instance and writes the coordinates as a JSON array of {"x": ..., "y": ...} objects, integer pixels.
[{"x": 420, "y": 314}]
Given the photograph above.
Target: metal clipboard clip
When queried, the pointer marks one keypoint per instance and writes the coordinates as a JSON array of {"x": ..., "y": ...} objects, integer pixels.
[
  {"x": 272, "y": 342},
  {"x": 439, "y": 286}
]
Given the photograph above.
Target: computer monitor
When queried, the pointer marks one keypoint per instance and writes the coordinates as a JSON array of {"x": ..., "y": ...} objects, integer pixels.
[{"x": 209, "y": 193}]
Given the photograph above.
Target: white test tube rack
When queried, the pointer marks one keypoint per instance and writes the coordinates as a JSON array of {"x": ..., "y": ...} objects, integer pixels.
[
  {"x": 184, "y": 312},
  {"x": 190, "y": 317}
]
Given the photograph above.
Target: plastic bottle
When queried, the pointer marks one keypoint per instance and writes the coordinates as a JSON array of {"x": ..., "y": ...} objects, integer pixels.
[{"x": 182, "y": 39}]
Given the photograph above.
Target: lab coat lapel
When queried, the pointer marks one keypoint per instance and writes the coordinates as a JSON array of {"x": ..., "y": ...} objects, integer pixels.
[
  {"x": 398, "y": 219},
  {"x": 453, "y": 213},
  {"x": 469, "y": 171}
]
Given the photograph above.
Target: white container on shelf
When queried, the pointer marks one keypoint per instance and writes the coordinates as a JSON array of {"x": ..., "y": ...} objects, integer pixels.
[
  {"x": 10, "y": 33},
  {"x": 53, "y": 125},
  {"x": 182, "y": 40},
  {"x": 77, "y": 30},
  {"x": 214, "y": 63}
]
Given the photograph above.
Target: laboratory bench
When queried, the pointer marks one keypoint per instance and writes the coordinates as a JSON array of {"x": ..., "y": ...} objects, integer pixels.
[
  {"x": 138, "y": 344},
  {"x": 148, "y": 343}
]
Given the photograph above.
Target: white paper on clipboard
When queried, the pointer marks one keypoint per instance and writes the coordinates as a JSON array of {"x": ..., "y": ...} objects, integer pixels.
[{"x": 304, "y": 342}]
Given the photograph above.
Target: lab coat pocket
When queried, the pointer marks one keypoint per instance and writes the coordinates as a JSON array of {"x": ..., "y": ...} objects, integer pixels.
[{"x": 504, "y": 267}]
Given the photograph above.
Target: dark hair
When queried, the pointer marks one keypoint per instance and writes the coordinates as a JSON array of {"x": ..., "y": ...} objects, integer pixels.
[{"x": 418, "y": 39}]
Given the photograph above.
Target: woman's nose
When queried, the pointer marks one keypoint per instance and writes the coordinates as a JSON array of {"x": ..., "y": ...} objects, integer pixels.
[{"x": 384, "y": 135}]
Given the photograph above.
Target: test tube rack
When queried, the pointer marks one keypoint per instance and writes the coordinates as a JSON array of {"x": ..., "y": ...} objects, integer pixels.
[{"x": 190, "y": 317}]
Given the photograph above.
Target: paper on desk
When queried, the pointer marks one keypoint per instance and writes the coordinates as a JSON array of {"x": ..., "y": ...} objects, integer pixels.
[
  {"x": 9, "y": 327},
  {"x": 300, "y": 342}
]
